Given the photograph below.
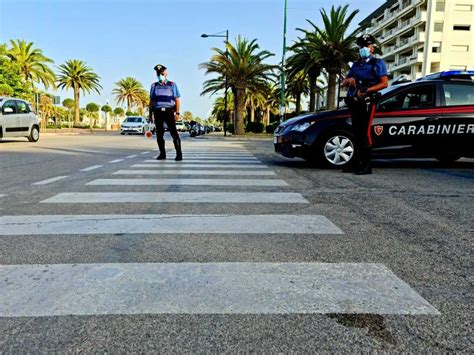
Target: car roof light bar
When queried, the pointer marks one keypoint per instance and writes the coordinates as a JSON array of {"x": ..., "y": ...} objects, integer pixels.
[{"x": 450, "y": 74}]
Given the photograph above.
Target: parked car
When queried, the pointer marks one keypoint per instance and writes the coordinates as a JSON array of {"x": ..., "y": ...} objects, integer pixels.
[
  {"x": 17, "y": 119},
  {"x": 134, "y": 124},
  {"x": 180, "y": 126},
  {"x": 430, "y": 117}
]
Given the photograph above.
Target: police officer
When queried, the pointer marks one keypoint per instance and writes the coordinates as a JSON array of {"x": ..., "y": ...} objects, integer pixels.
[
  {"x": 367, "y": 76},
  {"x": 164, "y": 105}
]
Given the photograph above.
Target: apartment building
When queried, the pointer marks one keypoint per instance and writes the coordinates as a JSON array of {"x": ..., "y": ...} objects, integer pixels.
[{"x": 420, "y": 37}]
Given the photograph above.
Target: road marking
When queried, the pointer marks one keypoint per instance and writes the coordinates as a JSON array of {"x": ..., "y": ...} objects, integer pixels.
[
  {"x": 185, "y": 165},
  {"x": 115, "y": 161},
  {"x": 94, "y": 167},
  {"x": 3, "y": 195},
  {"x": 48, "y": 181},
  {"x": 170, "y": 224},
  {"x": 216, "y": 157},
  {"x": 183, "y": 197},
  {"x": 143, "y": 153},
  {"x": 131, "y": 156},
  {"x": 191, "y": 182},
  {"x": 206, "y": 288},
  {"x": 204, "y": 161},
  {"x": 195, "y": 172}
]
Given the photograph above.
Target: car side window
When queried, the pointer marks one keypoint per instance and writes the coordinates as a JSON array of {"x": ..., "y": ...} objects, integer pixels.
[
  {"x": 22, "y": 107},
  {"x": 9, "y": 105},
  {"x": 419, "y": 97},
  {"x": 458, "y": 94}
]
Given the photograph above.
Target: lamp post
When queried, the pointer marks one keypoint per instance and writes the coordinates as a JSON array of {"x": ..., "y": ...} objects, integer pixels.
[
  {"x": 226, "y": 79},
  {"x": 282, "y": 78}
]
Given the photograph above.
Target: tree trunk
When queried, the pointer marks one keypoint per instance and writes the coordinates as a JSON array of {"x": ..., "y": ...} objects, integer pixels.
[
  {"x": 318, "y": 101},
  {"x": 76, "y": 105},
  {"x": 298, "y": 103},
  {"x": 312, "y": 92},
  {"x": 239, "y": 111},
  {"x": 252, "y": 113},
  {"x": 332, "y": 84},
  {"x": 267, "y": 116}
]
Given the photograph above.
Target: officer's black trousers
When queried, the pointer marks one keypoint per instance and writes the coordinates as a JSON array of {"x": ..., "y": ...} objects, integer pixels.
[
  {"x": 162, "y": 117},
  {"x": 361, "y": 117}
]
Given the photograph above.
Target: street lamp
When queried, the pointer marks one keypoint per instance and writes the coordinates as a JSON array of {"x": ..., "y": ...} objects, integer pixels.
[
  {"x": 226, "y": 80},
  {"x": 282, "y": 78}
]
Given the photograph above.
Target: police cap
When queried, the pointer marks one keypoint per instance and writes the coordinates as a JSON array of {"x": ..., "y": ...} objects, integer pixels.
[
  {"x": 365, "y": 40},
  {"x": 160, "y": 68}
]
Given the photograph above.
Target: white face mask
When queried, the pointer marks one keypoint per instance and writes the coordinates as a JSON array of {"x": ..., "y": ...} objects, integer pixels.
[
  {"x": 364, "y": 52},
  {"x": 161, "y": 77}
]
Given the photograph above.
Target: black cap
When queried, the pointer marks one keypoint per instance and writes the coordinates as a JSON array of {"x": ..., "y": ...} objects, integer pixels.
[
  {"x": 365, "y": 40},
  {"x": 160, "y": 68}
]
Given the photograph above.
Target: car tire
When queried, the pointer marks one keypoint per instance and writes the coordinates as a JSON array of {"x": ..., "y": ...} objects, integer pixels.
[
  {"x": 335, "y": 149},
  {"x": 448, "y": 158},
  {"x": 122, "y": 133},
  {"x": 34, "y": 134}
]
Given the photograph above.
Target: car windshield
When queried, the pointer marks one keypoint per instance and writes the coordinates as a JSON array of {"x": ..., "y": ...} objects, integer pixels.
[{"x": 133, "y": 119}]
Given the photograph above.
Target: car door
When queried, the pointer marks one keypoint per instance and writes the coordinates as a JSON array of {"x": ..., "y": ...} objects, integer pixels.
[
  {"x": 24, "y": 117},
  {"x": 11, "y": 125},
  {"x": 406, "y": 118},
  {"x": 457, "y": 125}
]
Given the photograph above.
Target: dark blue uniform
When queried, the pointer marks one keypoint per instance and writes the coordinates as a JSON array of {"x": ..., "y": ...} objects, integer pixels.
[{"x": 367, "y": 72}]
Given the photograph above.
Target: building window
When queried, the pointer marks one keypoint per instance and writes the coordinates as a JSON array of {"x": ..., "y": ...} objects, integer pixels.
[
  {"x": 457, "y": 48},
  {"x": 438, "y": 26},
  {"x": 462, "y": 7},
  {"x": 462, "y": 27},
  {"x": 436, "y": 47},
  {"x": 440, "y": 6}
]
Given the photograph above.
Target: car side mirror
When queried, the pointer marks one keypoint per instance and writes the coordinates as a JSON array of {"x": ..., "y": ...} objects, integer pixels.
[{"x": 8, "y": 110}]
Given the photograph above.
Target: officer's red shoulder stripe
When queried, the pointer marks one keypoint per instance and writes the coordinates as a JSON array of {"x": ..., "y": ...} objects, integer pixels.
[{"x": 437, "y": 110}]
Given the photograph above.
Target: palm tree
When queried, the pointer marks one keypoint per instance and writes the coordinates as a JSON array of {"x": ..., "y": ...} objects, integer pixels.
[
  {"x": 298, "y": 85},
  {"x": 243, "y": 66},
  {"x": 33, "y": 64},
  {"x": 129, "y": 90},
  {"x": 218, "y": 108},
  {"x": 77, "y": 75},
  {"x": 332, "y": 48},
  {"x": 306, "y": 60}
]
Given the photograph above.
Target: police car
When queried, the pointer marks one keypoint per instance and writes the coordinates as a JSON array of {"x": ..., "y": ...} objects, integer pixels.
[{"x": 430, "y": 117}]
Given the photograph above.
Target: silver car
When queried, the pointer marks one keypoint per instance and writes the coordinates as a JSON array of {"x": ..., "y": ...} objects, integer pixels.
[
  {"x": 17, "y": 119},
  {"x": 134, "y": 124}
]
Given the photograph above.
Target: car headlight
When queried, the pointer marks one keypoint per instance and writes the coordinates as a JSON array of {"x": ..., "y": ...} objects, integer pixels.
[{"x": 300, "y": 127}]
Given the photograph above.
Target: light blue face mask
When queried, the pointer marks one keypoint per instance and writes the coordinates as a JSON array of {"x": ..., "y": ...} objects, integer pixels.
[
  {"x": 161, "y": 78},
  {"x": 364, "y": 52}
]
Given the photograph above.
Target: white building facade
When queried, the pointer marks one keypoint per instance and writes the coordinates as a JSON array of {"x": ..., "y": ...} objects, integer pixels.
[{"x": 420, "y": 37}]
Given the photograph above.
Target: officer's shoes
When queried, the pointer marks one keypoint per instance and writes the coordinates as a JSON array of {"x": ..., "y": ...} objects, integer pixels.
[
  {"x": 162, "y": 156},
  {"x": 364, "y": 170},
  {"x": 179, "y": 157}
]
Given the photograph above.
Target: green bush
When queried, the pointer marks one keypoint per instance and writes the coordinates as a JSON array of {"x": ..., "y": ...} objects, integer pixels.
[
  {"x": 82, "y": 125},
  {"x": 255, "y": 127},
  {"x": 230, "y": 128},
  {"x": 271, "y": 127},
  {"x": 53, "y": 126}
]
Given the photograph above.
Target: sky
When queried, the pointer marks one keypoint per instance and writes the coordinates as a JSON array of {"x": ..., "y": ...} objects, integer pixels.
[{"x": 120, "y": 38}]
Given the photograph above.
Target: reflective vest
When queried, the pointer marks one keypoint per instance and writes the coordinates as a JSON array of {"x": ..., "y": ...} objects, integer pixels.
[{"x": 163, "y": 95}]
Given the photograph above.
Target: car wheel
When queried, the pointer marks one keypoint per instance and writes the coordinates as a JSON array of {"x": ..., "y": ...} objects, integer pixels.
[
  {"x": 122, "y": 133},
  {"x": 34, "y": 134},
  {"x": 336, "y": 149},
  {"x": 448, "y": 158}
]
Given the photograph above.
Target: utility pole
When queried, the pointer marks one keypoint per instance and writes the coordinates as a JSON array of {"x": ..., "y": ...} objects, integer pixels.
[{"x": 282, "y": 77}]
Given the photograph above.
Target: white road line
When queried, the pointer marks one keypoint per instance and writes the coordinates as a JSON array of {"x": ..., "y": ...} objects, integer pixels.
[
  {"x": 195, "y": 172},
  {"x": 143, "y": 153},
  {"x": 131, "y": 156},
  {"x": 170, "y": 224},
  {"x": 216, "y": 157},
  {"x": 206, "y": 288},
  {"x": 204, "y": 161},
  {"x": 185, "y": 165},
  {"x": 3, "y": 195},
  {"x": 94, "y": 167},
  {"x": 191, "y": 182},
  {"x": 115, "y": 161},
  {"x": 182, "y": 197},
  {"x": 48, "y": 181}
]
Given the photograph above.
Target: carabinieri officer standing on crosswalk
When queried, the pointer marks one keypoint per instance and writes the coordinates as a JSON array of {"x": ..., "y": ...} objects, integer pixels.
[
  {"x": 365, "y": 79},
  {"x": 164, "y": 105}
]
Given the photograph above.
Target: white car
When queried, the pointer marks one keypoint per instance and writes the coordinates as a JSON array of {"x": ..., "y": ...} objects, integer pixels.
[
  {"x": 180, "y": 126},
  {"x": 134, "y": 124},
  {"x": 17, "y": 119}
]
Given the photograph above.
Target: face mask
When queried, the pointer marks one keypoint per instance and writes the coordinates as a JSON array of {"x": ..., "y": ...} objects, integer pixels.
[
  {"x": 364, "y": 52},
  {"x": 161, "y": 78}
]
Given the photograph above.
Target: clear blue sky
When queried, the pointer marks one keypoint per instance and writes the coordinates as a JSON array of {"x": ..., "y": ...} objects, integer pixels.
[{"x": 119, "y": 38}]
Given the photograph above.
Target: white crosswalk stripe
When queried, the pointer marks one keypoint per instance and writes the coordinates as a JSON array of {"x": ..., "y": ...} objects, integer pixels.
[{"x": 193, "y": 288}]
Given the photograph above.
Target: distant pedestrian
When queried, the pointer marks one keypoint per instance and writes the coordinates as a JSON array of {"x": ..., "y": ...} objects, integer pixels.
[
  {"x": 366, "y": 77},
  {"x": 164, "y": 106}
]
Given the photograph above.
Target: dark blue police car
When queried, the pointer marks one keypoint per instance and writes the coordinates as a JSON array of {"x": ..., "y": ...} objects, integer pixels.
[{"x": 430, "y": 117}]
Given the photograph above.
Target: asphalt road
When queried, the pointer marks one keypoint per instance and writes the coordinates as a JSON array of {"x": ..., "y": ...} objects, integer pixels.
[{"x": 376, "y": 263}]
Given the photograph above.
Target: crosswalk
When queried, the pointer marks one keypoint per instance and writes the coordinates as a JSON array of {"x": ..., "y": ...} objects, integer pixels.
[{"x": 86, "y": 289}]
